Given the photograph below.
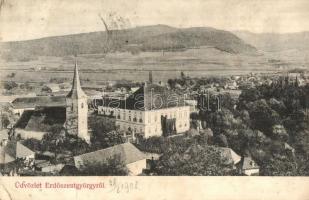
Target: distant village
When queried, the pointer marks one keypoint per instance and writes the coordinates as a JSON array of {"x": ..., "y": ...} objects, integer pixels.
[{"x": 148, "y": 128}]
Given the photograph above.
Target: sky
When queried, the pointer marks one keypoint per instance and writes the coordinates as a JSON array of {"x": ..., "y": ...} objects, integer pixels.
[{"x": 30, "y": 19}]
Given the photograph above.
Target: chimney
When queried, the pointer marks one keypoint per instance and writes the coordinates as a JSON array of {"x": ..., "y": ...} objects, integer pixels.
[{"x": 150, "y": 77}]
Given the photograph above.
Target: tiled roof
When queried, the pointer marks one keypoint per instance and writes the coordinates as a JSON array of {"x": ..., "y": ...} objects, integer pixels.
[
  {"x": 41, "y": 119},
  {"x": 147, "y": 97},
  {"x": 230, "y": 156},
  {"x": 128, "y": 154},
  {"x": 22, "y": 151},
  {"x": 41, "y": 101}
]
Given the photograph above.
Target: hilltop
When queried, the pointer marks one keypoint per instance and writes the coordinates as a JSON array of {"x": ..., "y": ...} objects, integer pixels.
[
  {"x": 276, "y": 41},
  {"x": 145, "y": 38}
]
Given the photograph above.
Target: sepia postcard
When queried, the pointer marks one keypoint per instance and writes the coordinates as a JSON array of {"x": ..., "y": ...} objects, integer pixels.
[{"x": 140, "y": 99}]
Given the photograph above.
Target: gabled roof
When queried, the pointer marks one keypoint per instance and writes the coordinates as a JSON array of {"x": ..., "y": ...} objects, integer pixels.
[
  {"x": 248, "y": 163},
  {"x": 4, "y": 134},
  {"x": 230, "y": 156},
  {"x": 41, "y": 119},
  {"x": 14, "y": 149},
  {"x": 76, "y": 91},
  {"x": 128, "y": 154},
  {"x": 22, "y": 151},
  {"x": 7, "y": 159},
  {"x": 41, "y": 101}
]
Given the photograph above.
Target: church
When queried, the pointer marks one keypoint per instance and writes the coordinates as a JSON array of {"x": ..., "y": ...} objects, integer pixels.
[{"x": 39, "y": 114}]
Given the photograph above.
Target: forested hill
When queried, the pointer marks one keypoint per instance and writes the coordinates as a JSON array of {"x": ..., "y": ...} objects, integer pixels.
[{"x": 146, "y": 38}]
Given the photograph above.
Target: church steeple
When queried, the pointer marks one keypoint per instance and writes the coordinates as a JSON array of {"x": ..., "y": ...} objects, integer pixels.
[
  {"x": 77, "y": 110},
  {"x": 76, "y": 91}
]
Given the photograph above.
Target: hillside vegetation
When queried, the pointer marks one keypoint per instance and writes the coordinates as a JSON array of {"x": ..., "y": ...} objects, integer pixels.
[{"x": 147, "y": 38}]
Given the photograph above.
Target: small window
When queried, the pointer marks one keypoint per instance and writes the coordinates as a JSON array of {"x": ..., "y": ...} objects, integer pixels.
[{"x": 82, "y": 105}]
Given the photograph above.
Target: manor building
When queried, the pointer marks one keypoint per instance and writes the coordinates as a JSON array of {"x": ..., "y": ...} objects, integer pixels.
[{"x": 152, "y": 110}]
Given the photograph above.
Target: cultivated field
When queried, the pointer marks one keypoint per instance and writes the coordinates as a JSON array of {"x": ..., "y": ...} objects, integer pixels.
[{"x": 205, "y": 61}]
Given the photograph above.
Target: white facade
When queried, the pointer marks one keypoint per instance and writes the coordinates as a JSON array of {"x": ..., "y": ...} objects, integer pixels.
[
  {"x": 249, "y": 172},
  {"x": 148, "y": 123},
  {"x": 83, "y": 119},
  {"x": 20, "y": 111},
  {"x": 24, "y": 134}
]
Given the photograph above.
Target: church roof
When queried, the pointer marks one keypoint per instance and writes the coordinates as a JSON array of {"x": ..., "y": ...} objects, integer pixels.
[
  {"x": 76, "y": 91},
  {"x": 41, "y": 119},
  {"x": 41, "y": 101}
]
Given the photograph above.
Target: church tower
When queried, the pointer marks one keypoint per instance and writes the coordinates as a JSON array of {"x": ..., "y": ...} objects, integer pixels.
[{"x": 77, "y": 110}]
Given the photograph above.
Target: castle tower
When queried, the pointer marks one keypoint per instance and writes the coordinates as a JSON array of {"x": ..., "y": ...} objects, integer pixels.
[{"x": 77, "y": 110}]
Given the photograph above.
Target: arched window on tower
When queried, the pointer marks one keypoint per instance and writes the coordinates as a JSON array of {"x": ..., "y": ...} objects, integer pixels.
[{"x": 82, "y": 105}]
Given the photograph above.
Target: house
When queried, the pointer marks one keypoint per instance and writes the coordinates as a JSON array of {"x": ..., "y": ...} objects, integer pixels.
[
  {"x": 230, "y": 157},
  {"x": 51, "y": 88},
  {"x": 62, "y": 169},
  {"x": 69, "y": 170},
  {"x": 10, "y": 151},
  {"x": 133, "y": 158},
  {"x": 248, "y": 167},
  {"x": 232, "y": 85}
]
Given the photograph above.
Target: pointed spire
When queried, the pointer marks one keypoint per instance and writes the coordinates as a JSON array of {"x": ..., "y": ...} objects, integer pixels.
[{"x": 76, "y": 91}]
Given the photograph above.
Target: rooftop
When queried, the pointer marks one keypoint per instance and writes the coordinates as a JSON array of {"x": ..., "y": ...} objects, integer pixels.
[
  {"x": 41, "y": 119},
  {"x": 128, "y": 154},
  {"x": 41, "y": 101},
  {"x": 230, "y": 156},
  {"x": 248, "y": 163},
  {"x": 14, "y": 149},
  {"x": 147, "y": 97}
]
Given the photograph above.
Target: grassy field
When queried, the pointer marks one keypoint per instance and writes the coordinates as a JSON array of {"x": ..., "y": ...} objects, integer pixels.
[{"x": 205, "y": 61}]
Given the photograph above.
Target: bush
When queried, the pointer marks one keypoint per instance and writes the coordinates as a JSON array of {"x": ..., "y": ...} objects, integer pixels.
[{"x": 10, "y": 85}]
